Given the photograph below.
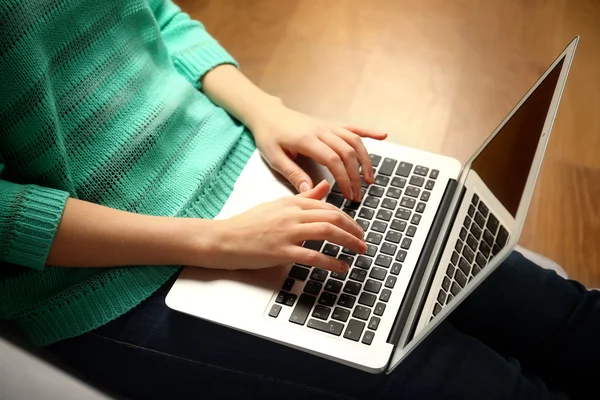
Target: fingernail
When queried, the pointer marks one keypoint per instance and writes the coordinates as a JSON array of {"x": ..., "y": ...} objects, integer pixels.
[{"x": 304, "y": 187}]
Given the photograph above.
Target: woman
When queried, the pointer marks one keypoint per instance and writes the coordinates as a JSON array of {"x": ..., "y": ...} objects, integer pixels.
[{"x": 123, "y": 128}]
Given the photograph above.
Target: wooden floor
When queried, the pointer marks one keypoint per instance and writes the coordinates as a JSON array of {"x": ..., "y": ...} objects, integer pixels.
[{"x": 439, "y": 75}]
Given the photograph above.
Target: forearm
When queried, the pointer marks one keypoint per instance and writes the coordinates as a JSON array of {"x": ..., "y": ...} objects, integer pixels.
[
  {"x": 90, "y": 235},
  {"x": 230, "y": 89}
]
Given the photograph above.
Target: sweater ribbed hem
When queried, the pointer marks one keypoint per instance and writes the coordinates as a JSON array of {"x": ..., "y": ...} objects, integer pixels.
[
  {"x": 37, "y": 219},
  {"x": 194, "y": 64}
]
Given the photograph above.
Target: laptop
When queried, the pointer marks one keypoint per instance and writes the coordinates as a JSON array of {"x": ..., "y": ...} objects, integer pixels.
[{"x": 435, "y": 230}]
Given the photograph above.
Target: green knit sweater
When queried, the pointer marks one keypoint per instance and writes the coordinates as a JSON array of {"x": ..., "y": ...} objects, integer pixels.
[{"x": 100, "y": 101}]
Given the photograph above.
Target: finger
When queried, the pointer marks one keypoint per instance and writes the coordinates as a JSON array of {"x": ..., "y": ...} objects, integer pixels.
[
  {"x": 283, "y": 164},
  {"x": 335, "y": 218},
  {"x": 361, "y": 152},
  {"x": 313, "y": 258},
  {"x": 325, "y": 155},
  {"x": 364, "y": 132},
  {"x": 316, "y": 193},
  {"x": 349, "y": 158},
  {"x": 331, "y": 233},
  {"x": 312, "y": 204}
]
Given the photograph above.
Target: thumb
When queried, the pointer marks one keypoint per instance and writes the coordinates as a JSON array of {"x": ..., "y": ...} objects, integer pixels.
[
  {"x": 291, "y": 171},
  {"x": 318, "y": 192}
]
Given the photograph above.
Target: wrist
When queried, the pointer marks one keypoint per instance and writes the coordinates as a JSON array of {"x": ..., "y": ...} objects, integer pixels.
[
  {"x": 196, "y": 241},
  {"x": 261, "y": 111}
]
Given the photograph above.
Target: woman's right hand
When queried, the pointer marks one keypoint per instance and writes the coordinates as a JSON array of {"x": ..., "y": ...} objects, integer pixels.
[{"x": 272, "y": 234}]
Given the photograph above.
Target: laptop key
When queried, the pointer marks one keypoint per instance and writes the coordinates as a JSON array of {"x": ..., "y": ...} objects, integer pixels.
[
  {"x": 455, "y": 289},
  {"x": 410, "y": 232},
  {"x": 415, "y": 219},
  {"x": 336, "y": 188},
  {"x": 382, "y": 180},
  {"x": 303, "y": 307},
  {"x": 367, "y": 299},
  {"x": 396, "y": 267},
  {"x": 313, "y": 287},
  {"x": 429, "y": 184},
  {"x": 471, "y": 210},
  {"x": 398, "y": 225},
  {"x": 340, "y": 314},
  {"x": 318, "y": 275},
  {"x": 408, "y": 203},
  {"x": 371, "y": 250},
  {"x": 398, "y": 182},
  {"x": 406, "y": 242},
  {"x": 390, "y": 282},
  {"x": 417, "y": 180},
  {"x": 467, "y": 222},
  {"x": 384, "y": 215},
  {"x": 361, "y": 312},
  {"x": 379, "y": 226},
  {"x": 387, "y": 167},
  {"x": 363, "y": 224},
  {"x": 376, "y": 191},
  {"x": 412, "y": 191},
  {"x": 420, "y": 170},
  {"x": 460, "y": 278},
  {"x": 454, "y": 258},
  {"x": 274, "y": 312},
  {"x": 321, "y": 312},
  {"x": 425, "y": 195},
  {"x": 379, "y": 309},
  {"x": 358, "y": 275},
  {"x": 420, "y": 207},
  {"x": 436, "y": 309},
  {"x": 374, "y": 323},
  {"x": 393, "y": 192},
  {"x": 496, "y": 249},
  {"x": 468, "y": 254},
  {"x": 383, "y": 261},
  {"x": 313, "y": 244},
  {"x": 332, "y": 327},
  {"x": 475, "y": 199},
  {"x": 346, "y": 301},
  {"x": 352, "y": 287},
  {"x": 401, "y": 255},
  {"x": 488, "y": 237},
  {"x": 485, "y": 249},
  {"x": 285, "y": 298},
  {"x": 354, "y": 330},
  {"x": 393, "y": 236},
  {"x": 366, "y": 213},
  {"x": 404, "y": 169},
  {"x": 502, "y": 237},
  {"x": 446, "y": 283},
  {"x": 331, "y": 250},
  {"x": 480, "y": 259},
  {"x": 480, "y": 219},
  {"x": 472, "y": 242},
  {"x": 388, "y": 248},
  {"x": 299, "y": 273},
  {"x": 385, "y": 295},
  {"x": 335, "y": 199},
  {"x": 372, "y": 286},
  {"x": 327, "y": 299},
  {"x": 476, "y": 231},
  {"x": 403, "y": 213},
  {"x": 458, "y": 246},
  {"x": 371, "y": 201},
  {"x": 464, "y": 266},
  {"x": 449, "y": 298},
  {"x": 476, "y": 270},
  {"x": 363, "y": 262},
  {"x": 374, "y": 238},
  {"x": 368, "y": 338},
  {"x": 288, "y": 284},
  {"x": 492, "y": 224},
  {"x": 333, "y": 286},
  {"x": 375, "y": 159},
  {"x": 352, "y": 205},
  {"x": 483, "y": 209},
  {"x": 450, "y": 271},
  {"x": 351, "y": 213},
  {"x": 434, "y": 174},
  {"x": 388, "y": 203},
  {"x": 339, "y": 275},
  {"x": 378, "y": 273}
]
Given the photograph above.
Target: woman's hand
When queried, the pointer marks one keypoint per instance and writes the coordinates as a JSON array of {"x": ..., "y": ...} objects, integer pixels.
[
  {"x": 272, "y": 234},
  {"x": 282, "y": 134}
]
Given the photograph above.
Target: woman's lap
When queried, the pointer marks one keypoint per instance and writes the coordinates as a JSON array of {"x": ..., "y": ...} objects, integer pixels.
[{"x": 154, "y": 352}]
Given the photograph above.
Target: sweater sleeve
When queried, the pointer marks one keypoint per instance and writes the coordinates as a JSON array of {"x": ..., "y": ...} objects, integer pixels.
[
  {"x": 29, "y": 218},
  {"x": 193, "y": 50}
]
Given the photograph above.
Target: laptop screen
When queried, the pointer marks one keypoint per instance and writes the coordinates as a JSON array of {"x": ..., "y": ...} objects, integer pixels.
[{"x": 504, "y": 163}]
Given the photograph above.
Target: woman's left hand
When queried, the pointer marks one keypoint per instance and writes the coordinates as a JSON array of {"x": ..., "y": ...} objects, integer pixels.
[{"x": 282, "y": 134}]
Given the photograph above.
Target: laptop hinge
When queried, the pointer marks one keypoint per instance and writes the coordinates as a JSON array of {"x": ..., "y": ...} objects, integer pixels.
[{"x": 422, "y": 262}]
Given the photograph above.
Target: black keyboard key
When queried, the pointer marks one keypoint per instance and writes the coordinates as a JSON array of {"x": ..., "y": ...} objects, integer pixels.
[
  {"x": 335, "y": 199},
  {"x": 410, "y": 232},
  {"x": 274, "y": 312},
  {"x": 385, "y": 295},
  {"x": 382, "y": 180},
  {"x": 368, "y": 338},
  {"x": 458, "y": 246},
  {"x": 396, "y": 267},
  {"x": 332, "y": 327},
  {"x": 404, "y": 169},
  {"x": 352, "y": 288},
  {"x": 403, "y": 213},
  {"x": 480, "y": 259},
  {"x": 425, "y": 195},
  {"x": 366, "y": 213},
  {"x": 367, "y": 299},
  {"x": 286, "y": 298},
  {"x": 434, "y": 174},
  {"x": 417, "y": 180},
  {"x": 363, "y": 224},
  {"x": 460, "y": 278},
  {"x": 476, "y": 231},
  {"x": 303, "y": 307},
  {"x": 388, "y": 203},
  {"x": 394, "y": 193},
  {"x": 472, "y": 242},
  {"x": 436, "y": 309},
  {"x": 388, "y": 248},
  {"x": 384, "y": 215},
  {"x": 463, "y": 233},
  {"x": 383, "y": 261},
  {"x": 288, "y": 284},
  {"x": 420, "y": 207},
  {"x": 467, "y": 223},
  {"x": 299, "y": 273},
  {"x": 333, "y": 286},
  {"x": 379, "y": 226},
  {"x": 372, "y": 286},
  {"x": 401, "y": 255},
  {"x": 340, "y": 314},
  {"x": 371, "y": 250},
  {"x": 336, "y": 188},
  {"x": 420, "y": 170},
  {"x": 379, "y": 309},
  {"x": 493, "y": 224},
  {"x": 354, "y": 330},
  {"x": 480, "y": 219},
  {"x": 488, "y": 237},
  {"x": 464, "y": 266},
  {"x": 321, "y": 312},
  {"x": 331, "y": 250},
  {"x": 408, "y": 203},
  {"x": 502, "y": 237},
  {"x": 374, "y": 323},
  {"x": 313, "y": 287},
  {"x": 363, "y": 262},
  {"x": 496, "y": 249},
  {"x": 441, "y": 298},
  {"x": 339, "y": 275},
  {"x": 415, "y": 219},
  {"x": 454, "y": 258},
  {"x": 375, "y": 159},
  {"x": 346, "y": 301},
  {"x": 475, "y": 199},
  {"x": 390, "y": 282},
  {"x": 376, "y": 191},
  {"x": 327, "y": 299},
  {"x": 352, "y": 205},
  {"x": 449, "y": 298},
  {"x": 313, "y": 244},
  {"x": 393, "y": 236},
  {"x": 318, "y": 275},
  {"x": 374, "y": 238},
  {"x": 450, "y": 271},
  {"x": 387, "y": 167},
  {"x": 412, "y": 191},
  {"x": 406, "y": 242},
  {"x": 371, "y": 201},
  {"x": 378, "y": 273},
  {"x": 483, "y": 209},
  {"x": 361, "y": 312},
  {"x": 446, "y": 283},
  {"x": 358, "y": 275},
  {"x": 398, "y": 182},
  {"x": 485, "y": 249},
  {"x": 476, "y": 270},
  {"x": 351, "y": 213},
  {"x": 429, "y": 184},
  {"x": 468, "y": 254},
  {"x": 398, "y": 225},
  {"x": 471, "y": 210},
  {"x": 455, "y": 289}
]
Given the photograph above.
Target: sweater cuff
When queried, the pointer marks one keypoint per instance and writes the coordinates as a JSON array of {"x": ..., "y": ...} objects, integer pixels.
[
  {"x": 196, "y": 63},
  {"x": 35, "y": 225}
]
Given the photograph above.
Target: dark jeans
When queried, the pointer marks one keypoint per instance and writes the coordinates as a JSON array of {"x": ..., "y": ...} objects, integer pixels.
[{"x": 525, "y": 333}]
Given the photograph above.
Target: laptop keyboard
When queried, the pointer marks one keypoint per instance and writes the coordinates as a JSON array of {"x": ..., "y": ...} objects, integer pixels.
[
  {"x": 481, "y": 238},
  {"x": 351, "y": 304}
]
